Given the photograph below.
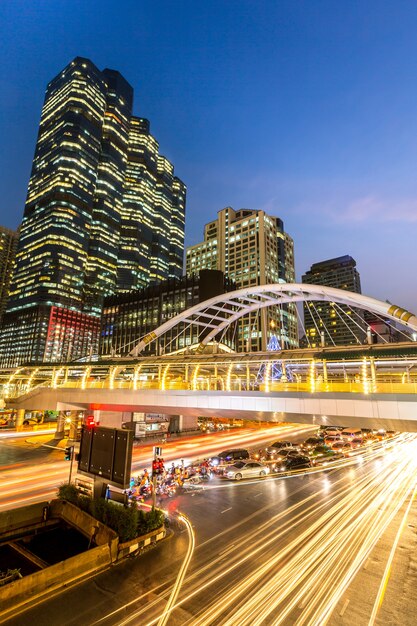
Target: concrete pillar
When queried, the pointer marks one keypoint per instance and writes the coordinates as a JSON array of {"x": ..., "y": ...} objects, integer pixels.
[
  {"x": 373, "y": 373},
  {"x": 20, "y": 416},
  {"x": 188, "y": 422},
  {"x": 60, "y": 425},
  {"x": 322, "y": 339},
  {"x": 73, "y": 426},
  {"x": 324, "y": 370},
  {"x": 247, "y": 377},
  {"x": 369, "y": 335}
]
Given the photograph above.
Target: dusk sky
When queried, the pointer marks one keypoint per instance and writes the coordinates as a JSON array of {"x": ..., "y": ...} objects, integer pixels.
[{"x": 306, "y": 109}]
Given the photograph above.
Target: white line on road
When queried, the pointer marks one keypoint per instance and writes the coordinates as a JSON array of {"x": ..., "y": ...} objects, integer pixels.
[
  {"x": 344, "y": 607},
  {"x": 229, "y": 509},
  {"x": 227, "y": 549}
]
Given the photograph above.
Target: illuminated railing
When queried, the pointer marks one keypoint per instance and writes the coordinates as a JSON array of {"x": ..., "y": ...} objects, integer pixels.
[{"x": 235, "y": 384}]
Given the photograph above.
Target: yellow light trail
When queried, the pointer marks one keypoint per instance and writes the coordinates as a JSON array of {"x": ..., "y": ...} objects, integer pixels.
[{"x": 313, "y": 570}]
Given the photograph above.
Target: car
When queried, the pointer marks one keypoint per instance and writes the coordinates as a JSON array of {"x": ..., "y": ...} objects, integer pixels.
[
  {"x": 380, "y": 434},
  {"x": 357, "y": 442},
  {"x": 351, "y": 433},
  {"x": 246, "y": 469},
  {"x": 342, "y": 446},
  {"x": 293, "y": 463},
  {"x": 329, "y": 440},
  {"x": 311, "y": 442},
  {"x": 321, "y": 451},
  {"x": 226, "y": 456},
  {"x": 332, "y": 432},
  {"x": 31, "y": 421},
  {"x": 275, "y": 448},
  {"x": 285, "y": 452}
]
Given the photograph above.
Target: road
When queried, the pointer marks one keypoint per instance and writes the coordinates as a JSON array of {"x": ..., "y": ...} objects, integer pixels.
[
  {"x": 310, "y": 549},
  {"x": 31, "y": 472}
]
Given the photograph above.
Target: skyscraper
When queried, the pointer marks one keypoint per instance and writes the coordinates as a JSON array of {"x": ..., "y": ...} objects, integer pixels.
[
  {"x": 251, "y": 248},
  {"x": 328, "y": 322},
  {"x": 73, "y": 237},
  {"x": 153, "y": 214},
  {"x": 8, "y": 245}
]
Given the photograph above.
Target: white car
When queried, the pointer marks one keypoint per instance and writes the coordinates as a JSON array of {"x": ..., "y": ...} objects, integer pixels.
[{"x": 246, "y": 469}]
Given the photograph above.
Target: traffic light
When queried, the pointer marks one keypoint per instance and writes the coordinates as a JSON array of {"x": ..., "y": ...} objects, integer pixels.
[
  {"x": 68, "y": 453},
  {"x": 155, "y": 468}
]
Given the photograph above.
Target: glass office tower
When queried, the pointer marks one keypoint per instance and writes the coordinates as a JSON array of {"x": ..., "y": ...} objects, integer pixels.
[
  {"x": 73, "y": 236},
  {"x": 153, "y": 214},
  {"x": 327, "y": 323},
  {"x": 8, "y": 245}
]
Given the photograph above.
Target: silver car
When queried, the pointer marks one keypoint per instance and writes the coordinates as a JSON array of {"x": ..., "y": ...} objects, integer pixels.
[{"x": 246, "y": 469}]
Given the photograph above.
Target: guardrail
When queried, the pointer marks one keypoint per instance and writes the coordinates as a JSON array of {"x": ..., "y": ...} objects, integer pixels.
[{"x": 311, "y": 386}]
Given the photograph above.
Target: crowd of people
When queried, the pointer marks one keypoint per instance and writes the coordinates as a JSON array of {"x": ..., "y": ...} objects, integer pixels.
[{"x": 168, "y": 479}]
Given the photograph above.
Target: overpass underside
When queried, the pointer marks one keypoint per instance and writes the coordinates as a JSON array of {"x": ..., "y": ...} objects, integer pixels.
[{"x": 389, "y": 411}]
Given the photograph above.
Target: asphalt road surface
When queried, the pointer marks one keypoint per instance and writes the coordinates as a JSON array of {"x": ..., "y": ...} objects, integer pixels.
[{"x": 307, "y": 549}]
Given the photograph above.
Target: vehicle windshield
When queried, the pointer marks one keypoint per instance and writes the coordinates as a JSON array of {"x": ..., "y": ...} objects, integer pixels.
[{"x": 239, "y": 464}]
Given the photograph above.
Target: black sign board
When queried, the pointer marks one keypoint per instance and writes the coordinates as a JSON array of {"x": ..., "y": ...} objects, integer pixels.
[{"x": 106, "y": 452}]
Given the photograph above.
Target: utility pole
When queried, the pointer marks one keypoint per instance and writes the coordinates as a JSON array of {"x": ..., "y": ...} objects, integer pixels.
[
  {"x": 157, "y": 452},
  {"x": 69, "y": 456}
]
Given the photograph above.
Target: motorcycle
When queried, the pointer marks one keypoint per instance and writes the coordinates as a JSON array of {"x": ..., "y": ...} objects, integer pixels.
[{"x": 166, "y": 489}]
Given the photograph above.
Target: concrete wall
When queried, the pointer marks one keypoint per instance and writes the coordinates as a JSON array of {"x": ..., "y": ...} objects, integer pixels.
[
  {"x": 135, "y": 545},
  {"x": 86, "y": 524},
  {"x": 39, "y": 583},
  {"x": 30, "y": 515},
  {"x": 24, "y": 590},
  {"x": 188, "y": 422}
]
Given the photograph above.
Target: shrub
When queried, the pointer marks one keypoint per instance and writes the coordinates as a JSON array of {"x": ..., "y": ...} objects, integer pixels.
[
  {"x": 68, "y": 492},
  {"x": 150, "y": 520},
  {"x": 127, "y": 522}
]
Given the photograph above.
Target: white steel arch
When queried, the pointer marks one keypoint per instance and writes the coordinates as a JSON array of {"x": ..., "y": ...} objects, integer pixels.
[{"x": 220, "y": 311}]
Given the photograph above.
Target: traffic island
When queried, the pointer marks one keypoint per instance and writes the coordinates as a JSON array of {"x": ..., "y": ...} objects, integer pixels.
[{"x": 50, "y": 545}]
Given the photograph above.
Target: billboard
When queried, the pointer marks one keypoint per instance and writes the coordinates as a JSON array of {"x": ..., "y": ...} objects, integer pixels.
[{"x": 106, "y": 453}]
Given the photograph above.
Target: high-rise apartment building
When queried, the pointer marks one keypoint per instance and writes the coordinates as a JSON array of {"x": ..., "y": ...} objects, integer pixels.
[
  {"x": 332, "y": 323},
  {"x": 92, "y": 203},
  {"x": 8, "y": 245},
  {"x": 251, "y": 248}
]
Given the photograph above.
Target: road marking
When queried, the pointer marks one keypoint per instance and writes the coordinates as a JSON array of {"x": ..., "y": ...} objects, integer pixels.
[
  {"x": 227, "y": 549},
  {"x": 229, "y": 509},
  {"x": 257, "y": 494},
  {"x": 344, "y": 607}
]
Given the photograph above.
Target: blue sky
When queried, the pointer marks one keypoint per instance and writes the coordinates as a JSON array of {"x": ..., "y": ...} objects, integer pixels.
[{"x": 307, "y": 109}]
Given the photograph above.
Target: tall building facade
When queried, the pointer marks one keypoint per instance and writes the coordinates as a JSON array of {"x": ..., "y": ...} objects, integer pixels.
[
  {"x": 8, "y": 245},
  {"x": 129, "y": 317},
  {"x": 331, "y": 323},
  {"x": 74, "y": 236},
  {"x": 251, "y": 248},
  {"x": 152, "y": 241}
]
